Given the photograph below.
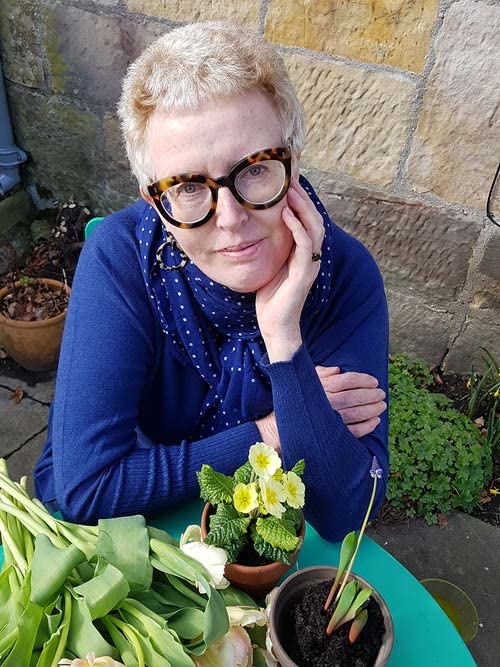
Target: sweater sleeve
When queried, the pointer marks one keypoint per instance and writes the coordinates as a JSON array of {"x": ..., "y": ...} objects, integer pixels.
[
  {"x": 337, "y": 479},
  {"x": 98, "y": 461}
]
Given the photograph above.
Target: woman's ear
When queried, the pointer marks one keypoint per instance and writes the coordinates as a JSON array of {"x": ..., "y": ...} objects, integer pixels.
[
  {"x": 295, "y": 166},
  {"x": 147, "y": 197}
]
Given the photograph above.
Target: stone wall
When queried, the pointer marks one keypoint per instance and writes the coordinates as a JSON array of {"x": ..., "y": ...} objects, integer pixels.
[{"x": 403, "y": 107}]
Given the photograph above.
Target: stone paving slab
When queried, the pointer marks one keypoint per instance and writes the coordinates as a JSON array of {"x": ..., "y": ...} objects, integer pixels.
[
  {"x": 22, "y": 461},
  {"x": 465, "y": 553},
  {"x": 19, "y": 422}
]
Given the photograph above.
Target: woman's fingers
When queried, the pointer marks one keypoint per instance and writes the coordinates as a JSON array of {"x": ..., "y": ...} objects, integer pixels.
[
  {"x": 359, "y": 430},
  {"x": 310, "y": 218},
  {"x": 362, "y": 413},
  {"x": 355, "y": 396}
]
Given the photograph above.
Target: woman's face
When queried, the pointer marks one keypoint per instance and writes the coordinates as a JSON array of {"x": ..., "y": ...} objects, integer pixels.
[{"x": 238, "y": 247}]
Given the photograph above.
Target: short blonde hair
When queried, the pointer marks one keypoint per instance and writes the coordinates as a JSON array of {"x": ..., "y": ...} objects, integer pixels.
[{"x": 197, "y": 63}]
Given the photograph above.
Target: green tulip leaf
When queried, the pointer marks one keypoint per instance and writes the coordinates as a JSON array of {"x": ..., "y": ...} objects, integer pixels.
[
  {"x": 51, "y": 567},
  {"x": 124, "y": 542},
  {"x": 104, "y": 592}
]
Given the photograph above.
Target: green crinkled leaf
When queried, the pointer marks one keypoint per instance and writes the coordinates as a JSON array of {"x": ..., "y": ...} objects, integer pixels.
[
  {"x": 299, "y": 468},
  {"x": 51, "y": 567},
  {"x": 243, "y": 474},
  {"x": 104, "y": 592},
  {"x": 293, "y": 515},
  {"x": 271, "y": 553},
  {"x": 226, "y": 526},
  {"x": 215, "y": 487},
  {"x": 277, "y": 532},
  {"x": 124, "y": 542}
]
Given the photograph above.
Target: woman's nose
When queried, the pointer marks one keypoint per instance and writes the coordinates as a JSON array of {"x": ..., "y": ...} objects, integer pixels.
[{"x": 229, "y": 213}]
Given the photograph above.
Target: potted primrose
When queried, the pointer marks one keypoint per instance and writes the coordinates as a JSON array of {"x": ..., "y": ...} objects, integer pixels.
[
  {"x": 331, "y": 616},
  {"x": 256, "y": 517}
]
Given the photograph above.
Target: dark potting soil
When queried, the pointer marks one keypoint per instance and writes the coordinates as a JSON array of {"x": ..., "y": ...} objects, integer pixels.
[
  {"x": 248, "y": 556},
  {"x": 310, "y": 647}
]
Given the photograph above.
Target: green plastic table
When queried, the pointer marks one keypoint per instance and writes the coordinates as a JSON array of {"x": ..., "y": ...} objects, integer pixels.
[{"x": 423, "y": 634}]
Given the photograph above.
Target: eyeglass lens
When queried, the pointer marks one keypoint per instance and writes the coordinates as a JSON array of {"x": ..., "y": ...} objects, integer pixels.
[{"x": 257, "y": 183}]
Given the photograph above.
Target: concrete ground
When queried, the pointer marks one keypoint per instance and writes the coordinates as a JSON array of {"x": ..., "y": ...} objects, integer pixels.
[{"x": 465, "y": 553}]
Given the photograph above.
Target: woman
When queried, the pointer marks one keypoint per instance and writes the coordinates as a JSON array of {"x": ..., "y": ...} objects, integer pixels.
[{"x": 224, "y": 309}]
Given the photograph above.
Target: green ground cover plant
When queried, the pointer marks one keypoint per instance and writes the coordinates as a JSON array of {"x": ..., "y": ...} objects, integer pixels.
[{"x": 439, "y": 459}]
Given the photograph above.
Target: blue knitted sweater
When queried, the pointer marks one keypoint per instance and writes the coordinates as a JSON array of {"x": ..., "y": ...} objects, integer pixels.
[{"x": 124, "y": 404}]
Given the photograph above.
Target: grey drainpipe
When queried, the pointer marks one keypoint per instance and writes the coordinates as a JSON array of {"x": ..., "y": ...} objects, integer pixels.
[{"x": 10, "y": 155}]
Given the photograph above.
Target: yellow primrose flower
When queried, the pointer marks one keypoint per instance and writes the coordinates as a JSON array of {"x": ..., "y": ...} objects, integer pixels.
[
  {"x": 91, "y": 661},
  {"x": 294, "y": 489},
  {"x": 496, "y": 394},
  {"x": 263, "y": 459},
  {"x": 245, "y": 497},
  {"x": 468, "y": 383},
  {"x": 272, "y": 495}
]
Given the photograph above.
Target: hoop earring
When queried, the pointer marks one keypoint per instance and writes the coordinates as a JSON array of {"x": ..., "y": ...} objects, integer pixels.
[{"x": 173, "y": 244}]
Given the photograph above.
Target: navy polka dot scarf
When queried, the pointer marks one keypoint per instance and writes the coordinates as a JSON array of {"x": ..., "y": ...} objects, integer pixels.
[{"x": 215, "y": 329}]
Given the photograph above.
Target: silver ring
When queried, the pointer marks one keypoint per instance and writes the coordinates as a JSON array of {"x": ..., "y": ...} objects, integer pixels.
[{"x": 316, "y": 256}]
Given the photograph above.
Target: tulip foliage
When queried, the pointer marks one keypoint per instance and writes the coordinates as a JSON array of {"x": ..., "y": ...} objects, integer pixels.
[{"x": 122, "y": 591}]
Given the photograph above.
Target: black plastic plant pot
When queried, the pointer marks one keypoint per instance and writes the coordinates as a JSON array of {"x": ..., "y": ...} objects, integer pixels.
[{"x": 292, "y": 590}]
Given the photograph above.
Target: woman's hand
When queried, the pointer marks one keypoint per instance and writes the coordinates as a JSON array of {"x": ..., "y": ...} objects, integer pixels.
[
  {"x": 356, "y": 397},
  {"x": 279, "y": 303}
]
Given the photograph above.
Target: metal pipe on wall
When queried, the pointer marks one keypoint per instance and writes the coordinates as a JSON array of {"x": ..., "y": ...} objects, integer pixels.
[{"x": 10, "y": 155}]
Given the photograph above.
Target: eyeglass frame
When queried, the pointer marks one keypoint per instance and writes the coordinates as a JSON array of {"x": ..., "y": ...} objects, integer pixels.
[{"x": 281, "y": 154}]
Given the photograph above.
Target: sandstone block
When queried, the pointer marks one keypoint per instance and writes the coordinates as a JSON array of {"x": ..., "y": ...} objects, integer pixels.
[
  {"x": 418, "y": 326},
  {"x": 481, "y": 329},
  {"x": 357, "y": 120},
  {"x": 89, "y": 53},
  {"x": 459, "y": 123},
  {"x": 489, "y": 264},
  {"x": 63, "y": 142},
  {"x": 245, "y": 12},
  {"x": 418, "y": 247},
  {"x": 21, "y": 60},
  {"x": 396, "y": 33}
]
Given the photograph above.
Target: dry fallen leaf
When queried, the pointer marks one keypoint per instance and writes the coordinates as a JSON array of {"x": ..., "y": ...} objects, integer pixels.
[
  {"x": 442, "y": 520},
  {"x": 17, "y": 395},
  {"x": 479, "y": 422},
  {"x": 485, "y": 498}
]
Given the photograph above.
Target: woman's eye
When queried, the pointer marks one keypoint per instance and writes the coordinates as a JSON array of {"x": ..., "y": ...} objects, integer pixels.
[
  {"x": 254, "y": 171},
  {"x": 188, "y": 189}
]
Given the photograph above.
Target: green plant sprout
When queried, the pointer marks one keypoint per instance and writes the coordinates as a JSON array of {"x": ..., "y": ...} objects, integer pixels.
[
  {"x": 351, "y": 598},
  {"x": 484, "y": 392},
  {"x": 259, "y": 506}
]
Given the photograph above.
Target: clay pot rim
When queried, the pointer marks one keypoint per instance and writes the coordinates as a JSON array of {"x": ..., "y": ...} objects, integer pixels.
[
  {"x": 22, "y": 324},
  {"x": 249, "y": 569}
]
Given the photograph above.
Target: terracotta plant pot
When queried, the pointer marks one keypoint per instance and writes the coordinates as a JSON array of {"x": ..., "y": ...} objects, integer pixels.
[
  {"x": 257, "y": 580},
  {"x": 33, "y": 345},
  {"x": 292, "y": 590}
]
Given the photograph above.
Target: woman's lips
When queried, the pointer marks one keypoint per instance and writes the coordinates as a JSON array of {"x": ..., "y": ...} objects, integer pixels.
[{"x": 241, "y": 250}]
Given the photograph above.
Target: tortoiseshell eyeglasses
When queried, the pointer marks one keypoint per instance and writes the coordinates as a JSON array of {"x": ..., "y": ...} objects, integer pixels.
[{"x": 258, "y": 181}]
